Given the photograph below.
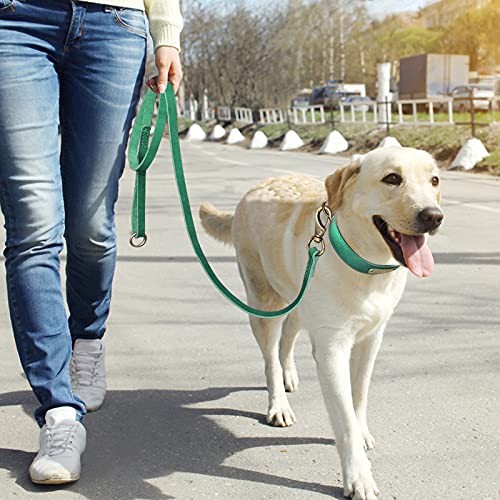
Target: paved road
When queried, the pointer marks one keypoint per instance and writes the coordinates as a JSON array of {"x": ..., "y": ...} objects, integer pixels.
[{"x": 184, "y": 417}]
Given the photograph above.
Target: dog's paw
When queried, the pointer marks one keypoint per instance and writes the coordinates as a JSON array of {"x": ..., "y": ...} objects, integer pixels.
[
  {"x": 359, "y": 483},
  {"x": 368, "y": 440},
  {"x": 291, "y": 379},
  {"x": 280, "y": 415}
]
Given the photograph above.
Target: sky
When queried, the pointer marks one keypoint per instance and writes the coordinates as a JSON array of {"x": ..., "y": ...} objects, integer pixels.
[{"x": 383, "y": 7}]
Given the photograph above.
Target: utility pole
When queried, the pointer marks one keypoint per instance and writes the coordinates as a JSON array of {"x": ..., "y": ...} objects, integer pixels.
[
  {"x": 342, "y": 44},
  {"x": 332, "y": 52},
  {"x": 182, "y": 89}
]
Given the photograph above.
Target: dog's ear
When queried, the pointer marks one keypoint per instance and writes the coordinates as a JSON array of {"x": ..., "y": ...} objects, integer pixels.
[{"x": 337, "y": 182}]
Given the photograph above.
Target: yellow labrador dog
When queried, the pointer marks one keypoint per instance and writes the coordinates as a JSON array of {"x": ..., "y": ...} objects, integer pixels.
[{"x": 385, "y": 203}]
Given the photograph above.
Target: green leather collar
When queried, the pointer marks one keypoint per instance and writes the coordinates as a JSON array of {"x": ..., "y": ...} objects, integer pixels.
[{"x": 350, "y": 257}]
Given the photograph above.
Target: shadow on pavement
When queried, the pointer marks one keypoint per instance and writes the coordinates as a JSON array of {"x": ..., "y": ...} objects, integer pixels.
[
  {"x": 468, "y": 258},
  {"x": 146, "y": 434}
]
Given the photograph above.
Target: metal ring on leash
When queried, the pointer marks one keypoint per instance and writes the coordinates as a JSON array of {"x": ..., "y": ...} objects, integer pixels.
[
  {"x": 319, "y": 240},
  {"x": 140, "y": 241}
]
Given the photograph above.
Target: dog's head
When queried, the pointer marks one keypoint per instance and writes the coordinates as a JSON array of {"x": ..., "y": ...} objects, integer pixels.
[{"x": 397, "y": 191}]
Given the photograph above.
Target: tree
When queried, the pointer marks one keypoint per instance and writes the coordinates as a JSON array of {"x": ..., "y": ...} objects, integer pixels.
[{"x": 476, "y": 34}]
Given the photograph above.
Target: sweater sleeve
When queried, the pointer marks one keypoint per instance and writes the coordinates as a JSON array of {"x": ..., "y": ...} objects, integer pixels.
[{"x": 165, "y": 22}]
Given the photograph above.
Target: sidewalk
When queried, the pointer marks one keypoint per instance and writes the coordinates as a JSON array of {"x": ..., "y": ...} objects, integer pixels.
[{"x": 185, "y": 413}]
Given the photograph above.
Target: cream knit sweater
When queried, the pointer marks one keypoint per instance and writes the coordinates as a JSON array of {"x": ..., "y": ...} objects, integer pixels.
[{"x": 165, "y": 19}]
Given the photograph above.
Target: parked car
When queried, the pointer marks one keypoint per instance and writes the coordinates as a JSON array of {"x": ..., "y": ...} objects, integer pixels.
[
  {"x": 483, "y": 92},
  {"x": 328, "y": 97},
  {"x": 301, "y": 101},
  {"x": 360, "y": 103}
]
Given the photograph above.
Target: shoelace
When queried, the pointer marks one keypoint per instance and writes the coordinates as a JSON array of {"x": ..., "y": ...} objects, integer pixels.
[
  {"x": 84, "y": 367},
  {"x": 60, "y": 438}
]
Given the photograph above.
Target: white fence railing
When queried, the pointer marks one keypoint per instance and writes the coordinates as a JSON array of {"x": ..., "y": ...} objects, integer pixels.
[
  {"x": 355, "y": 113},
  {"x": 269, "y": 116},
  {"x": 368, "y": 113},
  {"x": 224, "y": 113},
  {"x": 358, "y": 113},
  {"x": 312, "y": 115},
  {"x": 431, "y": 105},
  {"x": 243, "y": 115}
]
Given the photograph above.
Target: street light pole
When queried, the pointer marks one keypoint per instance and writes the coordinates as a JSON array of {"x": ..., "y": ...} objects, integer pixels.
[{"x": 182, "y": 90}]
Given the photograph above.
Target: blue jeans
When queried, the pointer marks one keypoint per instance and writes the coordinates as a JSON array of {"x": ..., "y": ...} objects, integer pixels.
[{"x": 80, "y": 65}]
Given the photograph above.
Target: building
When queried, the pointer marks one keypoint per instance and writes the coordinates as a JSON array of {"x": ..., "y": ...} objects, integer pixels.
[{"x": 443, "y": 12}]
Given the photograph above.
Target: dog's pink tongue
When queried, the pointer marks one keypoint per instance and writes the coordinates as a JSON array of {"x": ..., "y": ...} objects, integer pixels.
[{"x": 417, "y": 254}]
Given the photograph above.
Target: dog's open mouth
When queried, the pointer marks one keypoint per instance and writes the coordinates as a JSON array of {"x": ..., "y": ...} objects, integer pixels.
[{"x": 411, "y": 250}]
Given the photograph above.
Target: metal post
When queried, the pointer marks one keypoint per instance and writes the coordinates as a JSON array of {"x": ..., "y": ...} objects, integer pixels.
[
  {"x": 472, "y": 114},
  {"x": 332, "y": 118},
  {"x": 387, "y": 115}
]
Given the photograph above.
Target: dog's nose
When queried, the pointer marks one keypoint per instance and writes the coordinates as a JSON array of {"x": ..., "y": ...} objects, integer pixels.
[{"x": 430, "y": 218}]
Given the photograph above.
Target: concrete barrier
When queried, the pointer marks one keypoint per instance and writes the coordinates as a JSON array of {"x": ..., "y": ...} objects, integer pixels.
[
  {"x": 259, "y": 140},
  {"x": 334, "y": 143},
  {"x": 291, "y": 141},
  {"x": 235, "y": 136},
  {"x": 195, "y": 133},
  {"x": 217, "y": 133}
]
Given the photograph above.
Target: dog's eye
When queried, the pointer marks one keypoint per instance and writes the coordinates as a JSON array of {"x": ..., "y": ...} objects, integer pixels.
[
  {"x": 435, "y": 180},
  {"x": 393, "y": 179}
]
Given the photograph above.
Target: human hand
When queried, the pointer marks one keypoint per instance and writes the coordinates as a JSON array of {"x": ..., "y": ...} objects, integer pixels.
[{"x": 169, "y": 67}]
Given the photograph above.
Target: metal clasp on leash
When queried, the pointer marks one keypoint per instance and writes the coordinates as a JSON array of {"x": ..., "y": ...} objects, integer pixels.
[{"x": 321, "y": 228}]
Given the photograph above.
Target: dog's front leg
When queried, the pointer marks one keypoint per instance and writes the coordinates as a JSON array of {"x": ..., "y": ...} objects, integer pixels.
[
  {"x": 363, "y": 357},
  {"x": 331, "y": 350}
]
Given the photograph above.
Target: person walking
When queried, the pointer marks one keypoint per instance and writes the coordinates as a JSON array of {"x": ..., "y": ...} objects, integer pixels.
[{"x": 77, "y": 67}]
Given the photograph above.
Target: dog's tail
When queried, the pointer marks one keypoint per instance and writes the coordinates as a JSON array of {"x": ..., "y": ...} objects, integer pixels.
[{"x": 217, "y": 223}]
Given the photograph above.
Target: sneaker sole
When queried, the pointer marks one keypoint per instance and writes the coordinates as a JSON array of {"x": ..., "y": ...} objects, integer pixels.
[
  {"x": 94, "y": 408},
  {"x": 55, "y": 480}
]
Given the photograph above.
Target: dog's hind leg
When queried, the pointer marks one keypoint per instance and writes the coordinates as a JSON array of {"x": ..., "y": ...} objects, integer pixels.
[
  {"x": 363, "y": 357},
  {"x": 267, "y": 332},
  {"x": 289, "y": 332}
]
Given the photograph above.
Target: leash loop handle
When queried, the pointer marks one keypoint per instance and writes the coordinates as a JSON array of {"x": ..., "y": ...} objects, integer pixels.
[
  {"x": 141, "y": 154},
  {"x": 140, "y": 161}
]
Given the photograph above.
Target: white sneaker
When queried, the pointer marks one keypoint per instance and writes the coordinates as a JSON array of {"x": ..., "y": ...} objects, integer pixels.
[
  {"x": 62, "y": 441},
  {"x": 88, "y": 373}
]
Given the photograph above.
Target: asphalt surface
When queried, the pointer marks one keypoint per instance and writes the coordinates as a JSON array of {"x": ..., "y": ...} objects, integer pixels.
[{"x": 185, "y": 412}]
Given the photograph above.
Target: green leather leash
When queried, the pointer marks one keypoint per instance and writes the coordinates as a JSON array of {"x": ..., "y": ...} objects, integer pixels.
[{"x": 141, "y": 154}]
